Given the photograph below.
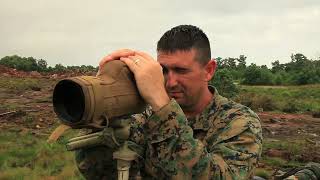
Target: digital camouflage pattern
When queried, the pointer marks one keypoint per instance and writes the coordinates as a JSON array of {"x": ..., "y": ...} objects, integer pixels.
[
  {"x": 223, "y": 142},
  {"x": 310, "y": 171}
]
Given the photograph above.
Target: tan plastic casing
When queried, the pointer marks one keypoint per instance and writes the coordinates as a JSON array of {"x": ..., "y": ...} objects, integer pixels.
[{"x": 111, "y": 94}]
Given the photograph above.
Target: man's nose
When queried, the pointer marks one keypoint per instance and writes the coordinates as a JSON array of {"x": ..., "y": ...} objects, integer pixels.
[{"x": 171, "y": 80}]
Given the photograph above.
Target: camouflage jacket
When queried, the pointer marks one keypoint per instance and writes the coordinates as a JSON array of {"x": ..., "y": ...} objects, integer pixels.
[
  {"x": 310, "y": 171},
  {"x": 223, "y": 142}
]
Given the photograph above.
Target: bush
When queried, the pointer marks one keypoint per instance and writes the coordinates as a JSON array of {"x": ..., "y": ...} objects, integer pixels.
[
  {"x": 316, "y": 114},
  {"x": 265, "y": 102},
  {"x": 19, "y": 63},
  {"x": 256, "y": 102},
  {"x": 245, "y": 99},
  {"x": 255, "y": 75},
  {"x": 290, "y": 107},
  {"x": 32, "y": 64},
  {"x": 224, "y": 83}
]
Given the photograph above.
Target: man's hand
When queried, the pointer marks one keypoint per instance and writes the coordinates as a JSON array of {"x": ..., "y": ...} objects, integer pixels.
[
  {"x": 116, "y": 55},
  {"x": 148, "y": 75},
  {"x": 149, "y": 79}
]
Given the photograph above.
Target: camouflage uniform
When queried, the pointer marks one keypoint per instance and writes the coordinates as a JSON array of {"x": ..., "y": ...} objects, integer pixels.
[
  {"x": 223, "y": 142},
  {"x": 310, "y": 171}
]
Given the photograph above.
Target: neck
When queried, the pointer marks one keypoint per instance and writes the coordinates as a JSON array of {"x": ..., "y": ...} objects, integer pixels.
[{"x": 198, "y": 108}]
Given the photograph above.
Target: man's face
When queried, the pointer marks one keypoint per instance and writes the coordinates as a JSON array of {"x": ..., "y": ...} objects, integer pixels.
[{"x": 185, "y": 78}]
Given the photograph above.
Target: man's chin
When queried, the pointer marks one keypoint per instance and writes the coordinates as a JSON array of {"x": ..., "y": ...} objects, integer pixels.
[
  {"x": 183, "y": 103},
  {"x": 180, "y": 101}
]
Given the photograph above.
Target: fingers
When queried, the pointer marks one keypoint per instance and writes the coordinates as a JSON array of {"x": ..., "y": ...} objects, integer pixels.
[
  {"x": 143, "y": 54},
  {"x": 104, "y": 60},
  {"x": 134, "y": 61},
  {"x": 121, "y": 53},
  {"x": 116, "y": 55},
  {"x": 130, "y": 63},
  {"x": 128, "y": 56},
  {"x": 138, "y": 58}
]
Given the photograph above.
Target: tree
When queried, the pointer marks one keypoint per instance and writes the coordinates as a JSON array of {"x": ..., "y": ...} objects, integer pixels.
[
  {"x": 30, "y": 64},
  {"x": 42, "y": 65},
  {"x": 242, "y": 64},
  {"x": 219, "y": 62},
  {"x": 224, "y": 83},
  {"x": 276, "y": 66},
  {"x": 306, "y": 76},
  {"x": 298, "y": 62},
  {"x": 10, "y": 61},
  {"x": 255, "y": 75},
  {"x": 60, "y": 68},
  {"x": 19, "y": 63},
  {"x": 302, "y": 70}
]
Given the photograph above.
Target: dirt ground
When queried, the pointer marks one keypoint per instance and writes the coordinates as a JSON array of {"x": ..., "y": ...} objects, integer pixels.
[
  {"x": 31, "y": 108},
  {"x": 283, "y": 125},
  {"x": 298, "y": 136},
  {"x": 29, "y": 111}
]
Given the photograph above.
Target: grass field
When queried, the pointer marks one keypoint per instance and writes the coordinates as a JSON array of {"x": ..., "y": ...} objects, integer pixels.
[
  {"x": 281, "y": 98},
  {"x": 26, "y": 156}
]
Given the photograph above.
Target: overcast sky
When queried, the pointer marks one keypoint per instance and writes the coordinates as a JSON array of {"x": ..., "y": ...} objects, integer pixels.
[{"x": 76, "y": 32}]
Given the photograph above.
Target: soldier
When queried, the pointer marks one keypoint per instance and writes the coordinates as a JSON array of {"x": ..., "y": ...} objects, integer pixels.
[{"x": 189, "y": 131}]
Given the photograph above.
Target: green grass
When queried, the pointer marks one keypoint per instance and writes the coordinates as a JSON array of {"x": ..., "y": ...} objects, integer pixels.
[
  {"x": 11, "y": 106},
  {"x": 19, "y": 84},
  {"x": 281, "y": 98},
  {"x": 295, "y": 148},
  {"x": 277, "y": 162},
  {"x": 24, "y": 156}
]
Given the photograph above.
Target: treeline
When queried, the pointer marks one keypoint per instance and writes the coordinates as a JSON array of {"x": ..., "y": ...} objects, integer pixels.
[
  {"x": 40, "y": 65},
  {"x": 231, "y": 71},
  {"x": 299, "y": 71}
]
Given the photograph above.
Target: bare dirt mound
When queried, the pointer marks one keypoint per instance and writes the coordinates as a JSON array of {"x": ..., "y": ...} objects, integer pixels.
[
  {"x": 26, "y": 99},
  {"x": 10, "y": 72},
  {"x": 290, "y": 125}
]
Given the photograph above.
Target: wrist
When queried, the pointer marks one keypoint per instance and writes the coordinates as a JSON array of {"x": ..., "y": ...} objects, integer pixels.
[{"x": 160, "y": 102}]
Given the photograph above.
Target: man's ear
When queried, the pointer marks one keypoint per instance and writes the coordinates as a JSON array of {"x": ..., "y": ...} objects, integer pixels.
[{"x": 210, "y": 69}]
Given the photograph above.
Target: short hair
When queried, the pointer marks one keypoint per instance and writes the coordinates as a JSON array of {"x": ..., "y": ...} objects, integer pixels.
[{"x": 184, "y": 38}]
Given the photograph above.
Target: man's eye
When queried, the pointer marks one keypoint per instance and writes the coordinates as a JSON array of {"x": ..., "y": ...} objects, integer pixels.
[
  {"x": 181, "y": 70},
  {"x": 164, "y": 70}
]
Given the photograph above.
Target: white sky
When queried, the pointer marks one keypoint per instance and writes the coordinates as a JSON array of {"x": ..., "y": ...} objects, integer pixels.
[{"x": 76, "y": 32}]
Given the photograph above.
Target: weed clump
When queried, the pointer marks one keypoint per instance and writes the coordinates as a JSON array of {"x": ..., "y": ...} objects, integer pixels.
[
  {"x": 256, "y": 102},
  {"x": 290, "y": 107},
  {"x": 316, "y": 114},
  {"x": 289, "y": 99}
]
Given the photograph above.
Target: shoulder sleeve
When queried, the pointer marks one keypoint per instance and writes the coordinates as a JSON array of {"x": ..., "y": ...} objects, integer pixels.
[{"x": 236, "y": 147}]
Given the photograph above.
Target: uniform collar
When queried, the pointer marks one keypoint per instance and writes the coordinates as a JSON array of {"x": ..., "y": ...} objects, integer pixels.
[{"x": 200, "y": 122}]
